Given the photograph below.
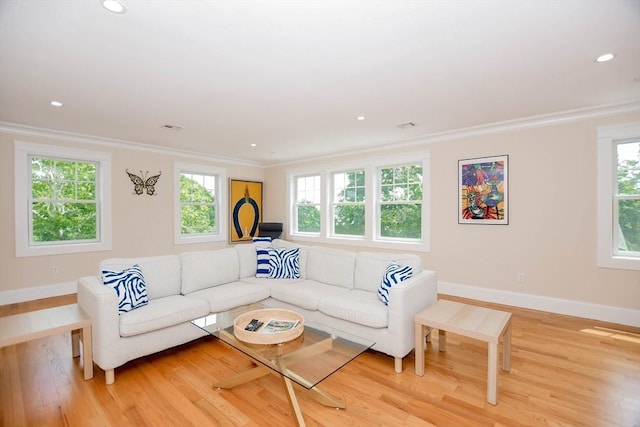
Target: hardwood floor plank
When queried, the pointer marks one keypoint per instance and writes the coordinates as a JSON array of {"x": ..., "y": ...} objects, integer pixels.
[{"x": 565, "y": 371}]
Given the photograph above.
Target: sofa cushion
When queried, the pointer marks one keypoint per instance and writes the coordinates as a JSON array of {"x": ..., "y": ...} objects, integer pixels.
[
  {"x": 204, "y": 269},
  {"x": 161, "y": 273},
  {"x": 356, "y": 306},
  {"x": 129, "y": 285},
  {"x": 371, "y": 266},
  {"x": 161, "y": 313},
  {"x": 279, "y": 243},
  {"x": 231, "y": 295},
  {"x": 305, "y": 294},
  {"x": 247, "y": 259},
  {"x": 284, "y": 263},
  {"x": 394, "y": 274},
  {"x": 331, "y": 266}
]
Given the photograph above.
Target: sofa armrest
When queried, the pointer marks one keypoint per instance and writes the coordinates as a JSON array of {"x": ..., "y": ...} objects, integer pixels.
[
  {"x": 406, "y": 299},
  {"x": 101, "y": 305}
]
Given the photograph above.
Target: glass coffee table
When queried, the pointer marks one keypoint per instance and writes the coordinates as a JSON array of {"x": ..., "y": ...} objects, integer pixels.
[{"x": 305, "y": 360}]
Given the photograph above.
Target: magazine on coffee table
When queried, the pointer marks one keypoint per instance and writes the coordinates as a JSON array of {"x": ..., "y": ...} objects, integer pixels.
[{"x": 278, "y": 325}]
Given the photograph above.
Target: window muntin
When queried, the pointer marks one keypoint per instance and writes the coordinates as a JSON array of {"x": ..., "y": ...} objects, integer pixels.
[
  {"x": 348, "y": 203},
  {"x": 62, "y": 200},
  {"x": 200, "y": 203},
  {"x": 626, "y": 199},
  {"x": 400, "y": 202},
  {"x": 307, "y": 204}
]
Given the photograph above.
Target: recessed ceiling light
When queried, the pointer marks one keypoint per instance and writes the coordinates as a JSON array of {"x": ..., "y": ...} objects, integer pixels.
[
  {"x": 56, "y": 103},
  {"x": 606, "y": 57},
  {"x": 113, "y": 6},
  {"x": 360, "y": 118}
]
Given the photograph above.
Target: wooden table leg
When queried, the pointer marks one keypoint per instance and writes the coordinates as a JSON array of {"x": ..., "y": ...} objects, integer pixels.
[
  {"x": 419, "y": 351},
  {"x": 506, "y": 349},
  {"x": 492, "y": 374},
  {"x": 87, "y": 353},
  {"x": 442, "y": 340}
]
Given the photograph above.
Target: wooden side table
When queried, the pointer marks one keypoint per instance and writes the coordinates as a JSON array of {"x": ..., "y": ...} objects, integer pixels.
[
  {"x": 24, "y": 327},
  {"x": 470, "y": 321}
]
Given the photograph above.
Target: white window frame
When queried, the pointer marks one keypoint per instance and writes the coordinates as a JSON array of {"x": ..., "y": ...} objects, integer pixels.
[
  {"x": 333, "y": 203},
  {"x": 23, "y": 232},
  {"x": 293, "y": 197},
  {"x": 608, "y": 137},
  {"x": 221, "y": 203},
  {"x": 371, "y": 237}
]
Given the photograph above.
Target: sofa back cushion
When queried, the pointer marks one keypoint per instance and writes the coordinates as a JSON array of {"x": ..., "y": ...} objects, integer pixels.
[
  {"x": 331, "y": 266},
  {"x": 371, "y": 266},
  {"x": 204, "y": 269},
  {"x": 161, "y": 273},
  {"x": 247, "y": 258}
]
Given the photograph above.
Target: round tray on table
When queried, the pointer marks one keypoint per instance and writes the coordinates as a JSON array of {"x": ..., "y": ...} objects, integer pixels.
[{"x": 265, "y": 315}]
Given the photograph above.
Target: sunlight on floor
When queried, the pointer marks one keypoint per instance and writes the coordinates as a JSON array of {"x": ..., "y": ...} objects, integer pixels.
[{"x": 613, "y": 333}]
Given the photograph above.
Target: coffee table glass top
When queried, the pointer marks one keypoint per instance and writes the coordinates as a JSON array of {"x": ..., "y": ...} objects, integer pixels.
[{"x": 307, "y": 360}]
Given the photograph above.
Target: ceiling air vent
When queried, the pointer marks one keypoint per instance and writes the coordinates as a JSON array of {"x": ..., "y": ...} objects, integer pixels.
[
  {"x": 407, "y": 125},
  {"x": 171, "y": 127}
]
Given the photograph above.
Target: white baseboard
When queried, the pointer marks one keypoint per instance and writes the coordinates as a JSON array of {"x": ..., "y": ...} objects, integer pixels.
[
  {"x": 623, "y": 316},
  {"x": 29, "y": 294}
]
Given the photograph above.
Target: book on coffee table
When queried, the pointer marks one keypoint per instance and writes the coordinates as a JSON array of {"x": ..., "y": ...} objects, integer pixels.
[{"x": 278, "y": 325}]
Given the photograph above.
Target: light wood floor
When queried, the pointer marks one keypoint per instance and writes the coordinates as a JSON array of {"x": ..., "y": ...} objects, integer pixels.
[{"x": 565, "y": 372}]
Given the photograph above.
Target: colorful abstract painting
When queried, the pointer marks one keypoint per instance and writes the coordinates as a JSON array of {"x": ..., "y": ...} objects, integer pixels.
[{"x": 482, "y": 190}]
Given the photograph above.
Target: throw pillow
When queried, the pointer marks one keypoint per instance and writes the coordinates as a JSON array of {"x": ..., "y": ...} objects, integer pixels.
[
  {"x": 263, "y": 241},
  {"x": 130, "y": 287},
  {"x": 284, "y": 263},
  {"x": 394, "y": 274},
  {"x": 263, "y": 268}
]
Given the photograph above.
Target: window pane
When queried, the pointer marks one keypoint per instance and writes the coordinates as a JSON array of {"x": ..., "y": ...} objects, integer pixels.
[
  {"x": 401, "y": 220},
  {"x": 628, "y": 230},
  {"x": 349, "y": 220},
  {"x": 198, "y": 219},
  {"x": 197, "y": 203},
  {"x": 308, "y": 189},
  {"x": 64, "y": 221},
  {"x": 308, "y": 218},
  {"x": 628, "y": 155}
]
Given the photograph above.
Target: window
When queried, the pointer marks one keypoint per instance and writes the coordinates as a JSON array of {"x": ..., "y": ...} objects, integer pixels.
[
  {"x": 200, "y": 209},
  {"x": 619, "y": 196},
  {"x": 400, "y": 202},
  {"x": 348, "y": 203},
  {"x": 62, "y": 200},
  {"x": 307, "y": 204},
  {"x": 382, "y": 202}
]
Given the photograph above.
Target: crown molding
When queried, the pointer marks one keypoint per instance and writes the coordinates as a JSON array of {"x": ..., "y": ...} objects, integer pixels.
[
  {"x": 551, "y": 119},
  {"x": 25, "y": 130}
]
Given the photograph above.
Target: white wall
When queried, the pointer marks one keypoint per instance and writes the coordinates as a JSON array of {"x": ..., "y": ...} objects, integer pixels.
[
  {"x": 551, "y": 236},
  {"x": 142, "y": 225}
]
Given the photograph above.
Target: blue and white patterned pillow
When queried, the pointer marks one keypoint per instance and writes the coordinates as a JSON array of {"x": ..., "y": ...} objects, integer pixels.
[
  {"x": 284, "y": 263},
  {"x": 394, "y": 274},
  {"x": 263, "y": 268},
  {"x": 264, "y": 241},
  {"x": 130, "y": 287}
]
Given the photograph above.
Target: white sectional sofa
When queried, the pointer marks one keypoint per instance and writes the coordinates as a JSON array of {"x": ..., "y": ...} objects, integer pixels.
[{"x": 336, "y": 288}]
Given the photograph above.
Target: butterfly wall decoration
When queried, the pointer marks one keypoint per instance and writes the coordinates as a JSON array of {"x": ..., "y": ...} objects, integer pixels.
[{"x": 144, "y": 182}]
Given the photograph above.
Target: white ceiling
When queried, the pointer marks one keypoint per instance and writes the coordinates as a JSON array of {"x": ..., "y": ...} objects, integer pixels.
[{"x": 292, "y": 76}]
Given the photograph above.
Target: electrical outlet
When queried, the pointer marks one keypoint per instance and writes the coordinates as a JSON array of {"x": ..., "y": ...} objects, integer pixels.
[
  {"x": 520, "y": 277},
  {"x": 55, "y": 269}
]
